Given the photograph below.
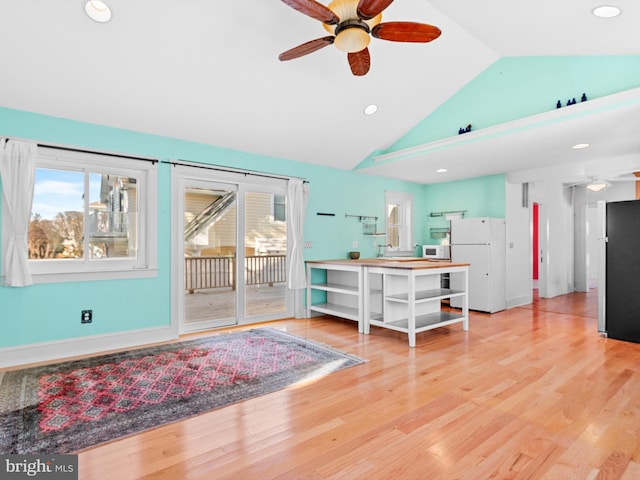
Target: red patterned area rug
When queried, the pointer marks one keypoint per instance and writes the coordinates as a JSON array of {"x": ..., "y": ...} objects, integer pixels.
[{"x": 70, "y": 406}]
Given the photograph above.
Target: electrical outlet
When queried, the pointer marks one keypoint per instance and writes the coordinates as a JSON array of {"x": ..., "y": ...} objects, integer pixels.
[
  {"x": 354, "y": 244},
  {"x": 308, "y": 244},
  {"x": 86, "y": 316}
]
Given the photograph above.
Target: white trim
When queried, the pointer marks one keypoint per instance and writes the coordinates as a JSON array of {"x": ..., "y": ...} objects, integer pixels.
[
  {"x": 601, "y": 225},
  {"x": 40, "y": 278},
  {"x": 57, "y": 350},
  {"x": 519, "y": 301}
]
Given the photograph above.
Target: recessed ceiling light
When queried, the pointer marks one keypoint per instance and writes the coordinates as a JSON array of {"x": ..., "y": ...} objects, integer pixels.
[
  {"x": 606, "y": 11},
  {"x": 441, "y": 170},
  {"x": 97, "y": 10},
  {"x": 370, "y": 109},
  {"x": 580, "y": 146}
]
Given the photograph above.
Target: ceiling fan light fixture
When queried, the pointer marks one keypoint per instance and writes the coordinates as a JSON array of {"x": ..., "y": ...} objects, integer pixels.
[
  {"x": 97, "y": 11},
  {"x": 352, "y": 40},
  {"x": 348, "y": 10},
  {"x": 598, "y": 185},
  {"x": 352, "y": 33},
  {"x": 606, "y": 11}
]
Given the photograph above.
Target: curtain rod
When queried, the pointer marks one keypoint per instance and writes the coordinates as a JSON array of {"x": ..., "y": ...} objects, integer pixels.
[
  {"x": 80, "y": 150},
  {"x": 185, "y": 163}
]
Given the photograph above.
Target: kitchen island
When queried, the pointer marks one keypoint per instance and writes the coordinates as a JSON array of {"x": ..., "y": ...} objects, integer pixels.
[{"x": 403, "y": 294}]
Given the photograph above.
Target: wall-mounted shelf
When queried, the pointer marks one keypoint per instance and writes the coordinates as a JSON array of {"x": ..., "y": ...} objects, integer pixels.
[
  {"x": 369, "y": 225},
  {"x": 361, "y": 217},
  {"x": 439, "y": 232},
  {"x": 444, "y": 214}
]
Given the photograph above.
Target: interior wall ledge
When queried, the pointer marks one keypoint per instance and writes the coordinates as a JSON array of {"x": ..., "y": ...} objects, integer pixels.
[{"x": 590, "y": 107}]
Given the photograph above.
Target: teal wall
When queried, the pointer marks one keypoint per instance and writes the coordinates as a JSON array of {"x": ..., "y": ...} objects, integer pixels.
[
  {"x": 480, "y": 197},
  {"x": 518, "y": 87},
  {"x": 51, "y": 312}
]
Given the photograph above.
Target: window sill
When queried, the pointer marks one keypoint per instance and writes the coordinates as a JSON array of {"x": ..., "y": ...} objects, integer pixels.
[{"x": 41, "y": 278}]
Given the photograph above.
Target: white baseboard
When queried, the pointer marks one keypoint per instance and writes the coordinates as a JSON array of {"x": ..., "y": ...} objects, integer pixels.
[
  {"x": 519, "y": 301},
  {"x": 48, "y": 351},
  {"x": 556, "y": 290}
]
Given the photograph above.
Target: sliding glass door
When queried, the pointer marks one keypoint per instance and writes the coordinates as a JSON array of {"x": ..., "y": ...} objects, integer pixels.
[
  {"x": 210, "y": 255},
  {"x": 265, "y": 239},
  {"x": 231, "y": 266}
]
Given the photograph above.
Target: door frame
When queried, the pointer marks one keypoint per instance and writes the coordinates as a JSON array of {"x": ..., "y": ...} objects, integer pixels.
[
  {"x": 180, "y": 176},
  {"x": 602, "y": 265},
  {"x": 542, "y": 254}
]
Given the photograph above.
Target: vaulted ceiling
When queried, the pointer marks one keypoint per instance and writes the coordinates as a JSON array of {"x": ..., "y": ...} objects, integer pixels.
[{"x": 209, "y": 72}]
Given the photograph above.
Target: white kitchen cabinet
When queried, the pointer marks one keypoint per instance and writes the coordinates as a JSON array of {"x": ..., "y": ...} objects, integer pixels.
[
  {"x": 408, "y": 298},
  {"x": 343, "y": 286}
]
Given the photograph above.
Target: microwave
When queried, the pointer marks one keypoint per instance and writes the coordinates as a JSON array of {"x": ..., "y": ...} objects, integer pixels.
[{"x": 439, "y": 252}]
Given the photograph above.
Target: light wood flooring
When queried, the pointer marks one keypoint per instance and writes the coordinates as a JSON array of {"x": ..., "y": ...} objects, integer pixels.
[{"x": 529, "y": 393}]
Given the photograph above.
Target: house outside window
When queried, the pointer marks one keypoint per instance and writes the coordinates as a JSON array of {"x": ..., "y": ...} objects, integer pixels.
[
  {"x": 279, "y": 208},
  {"x": 93, "y": 216}
]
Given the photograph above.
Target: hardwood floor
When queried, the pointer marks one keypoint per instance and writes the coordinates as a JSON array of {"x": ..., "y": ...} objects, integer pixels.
[{"x": 531, "y": 392}]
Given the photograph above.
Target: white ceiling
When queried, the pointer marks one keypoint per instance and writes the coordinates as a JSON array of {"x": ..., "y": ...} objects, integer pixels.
[{"x": 208, "y": 71}]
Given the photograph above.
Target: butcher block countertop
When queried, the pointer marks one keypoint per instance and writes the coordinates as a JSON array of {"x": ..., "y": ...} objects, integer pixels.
[{"x": 408, "y": 263}]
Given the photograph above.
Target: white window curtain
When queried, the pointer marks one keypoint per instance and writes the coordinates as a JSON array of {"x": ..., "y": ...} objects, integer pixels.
[
  {"x": 17, "y": 172},
  {"x": 297, "y": 196}
]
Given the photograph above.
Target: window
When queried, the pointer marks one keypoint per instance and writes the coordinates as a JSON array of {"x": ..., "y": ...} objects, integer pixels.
[
  {"x": 399, "y": 225},
  {"x": 279, "y": 208},
  {"x": 93, "y": 216}
]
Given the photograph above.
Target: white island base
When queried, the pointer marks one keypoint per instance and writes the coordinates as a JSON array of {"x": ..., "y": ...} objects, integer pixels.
[{"x": 400, "y": 295}]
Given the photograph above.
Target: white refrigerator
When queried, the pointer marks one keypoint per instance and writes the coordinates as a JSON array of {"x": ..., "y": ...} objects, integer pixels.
[{"x": 481, "y": 242}]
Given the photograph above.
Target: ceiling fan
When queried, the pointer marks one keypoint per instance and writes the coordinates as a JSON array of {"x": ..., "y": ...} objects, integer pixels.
[{"x": 352, "y": 23}]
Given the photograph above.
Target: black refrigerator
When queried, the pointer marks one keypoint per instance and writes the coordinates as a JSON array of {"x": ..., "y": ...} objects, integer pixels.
[{"x": 622, "y": 267}]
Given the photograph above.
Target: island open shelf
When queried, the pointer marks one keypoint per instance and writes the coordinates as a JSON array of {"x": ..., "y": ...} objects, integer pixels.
[
  {"x": 402, "y": 295},
  {"x": 411, "y": 298},
  {"x": 342, "y": 285},
  {"x": 427, "y": 295},
  {"x": 423, "y": 322}
]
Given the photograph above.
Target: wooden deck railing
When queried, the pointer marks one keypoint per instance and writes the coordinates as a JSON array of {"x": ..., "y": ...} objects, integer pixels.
[{"x": 217, "y": 272}]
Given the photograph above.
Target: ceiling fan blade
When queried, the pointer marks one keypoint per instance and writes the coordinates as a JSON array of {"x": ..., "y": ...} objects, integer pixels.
[
  {"x": 406, "y": 32},
  {"x": 359, "y": 62},
  {"x": 306, "y": 48},
  {"x": 315, "y": 10},
  {"x": 367, "y": 9}
]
